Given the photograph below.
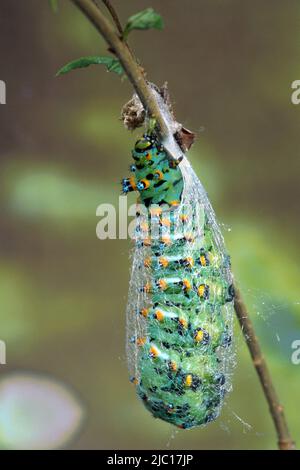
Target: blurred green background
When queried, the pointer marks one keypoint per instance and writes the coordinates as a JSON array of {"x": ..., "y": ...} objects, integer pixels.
[{"x": 229, "y": 65}]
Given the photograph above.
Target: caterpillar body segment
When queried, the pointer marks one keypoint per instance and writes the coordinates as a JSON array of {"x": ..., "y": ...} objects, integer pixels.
[{"x": 181, "y": 295}]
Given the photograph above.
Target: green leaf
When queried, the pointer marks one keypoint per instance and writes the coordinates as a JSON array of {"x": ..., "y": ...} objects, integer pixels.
[
  {"x": 112, "y": 64},
  {"x": 53, "y": 5},
  {"x": 146, "y": 19}
]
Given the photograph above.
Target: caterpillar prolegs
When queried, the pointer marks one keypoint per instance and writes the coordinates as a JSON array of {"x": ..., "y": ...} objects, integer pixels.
[{"x": 179, "y": 314}]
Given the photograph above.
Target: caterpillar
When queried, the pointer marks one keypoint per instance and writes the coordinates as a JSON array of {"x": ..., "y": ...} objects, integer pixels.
[{"x": 181, "y": 293}]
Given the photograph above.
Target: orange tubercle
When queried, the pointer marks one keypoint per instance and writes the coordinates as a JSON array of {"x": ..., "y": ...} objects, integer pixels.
[
  {"x": 174, "y": 203},
  {"x": 202, "y": 260},
  {"x": 147, "y": 287},
  {"x": 199, "y": 336},
  {"x": 186, "y": 284},
  {"x": 201, "y": 290},
  {"x": 183, "y": 322},
  {"x": 159, "y": 315},
  {"x": 163, "y": 262},
  {"x": 155, "y": 211},
  {"x": 153, "y": 352},
  {"x": 147, "y": 241},
  {"x": 141, "y": 341},
  {"x": 146, "y": 183},
  {"x": 188, "y": 380},
  {"x": 162, "y": 284},
  {"x": 144, "y": 226},
  {"x": 166, "y": 240},
  {"x": 132, "y": 182},
  {"x": 144, "y": 312},
  {"x": 159, "y": 174},
  {"x": 165, "y": 222}
]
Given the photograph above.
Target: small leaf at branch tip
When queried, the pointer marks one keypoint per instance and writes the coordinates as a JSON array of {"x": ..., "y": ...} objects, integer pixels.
[
  {"x": 112, "y": 64},
  {"x": 146, "y": 19}
]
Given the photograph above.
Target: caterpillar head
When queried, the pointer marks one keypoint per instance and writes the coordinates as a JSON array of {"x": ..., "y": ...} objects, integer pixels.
[
  {"x": 153, "y": 174},
  {"x": 146, "y": 150}
]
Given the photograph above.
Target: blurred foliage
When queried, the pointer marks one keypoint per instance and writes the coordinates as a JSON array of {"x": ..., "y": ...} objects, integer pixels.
[
  {"x": 53, "y": 5},
  {"x": 64, "y": 151}
]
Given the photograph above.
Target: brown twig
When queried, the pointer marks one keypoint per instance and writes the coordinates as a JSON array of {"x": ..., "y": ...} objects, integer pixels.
[
  {"x": 114, "y": 16},
  {"x": 285, "y": 441},
  {"x": 141, "y": 87}
]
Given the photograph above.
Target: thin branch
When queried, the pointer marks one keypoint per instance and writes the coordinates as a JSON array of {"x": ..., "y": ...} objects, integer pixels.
[
  {"x": 285, "y": 442},
  {"x": 114, "y": 16},
  {"x": 142, "y": 89},
  {"x": 132, "y": 69},
  {"x": 117, "y": 22}
]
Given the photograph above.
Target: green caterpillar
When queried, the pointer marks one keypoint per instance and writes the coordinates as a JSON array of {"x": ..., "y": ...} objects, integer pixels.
[{"x": 181, "y": 293}]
